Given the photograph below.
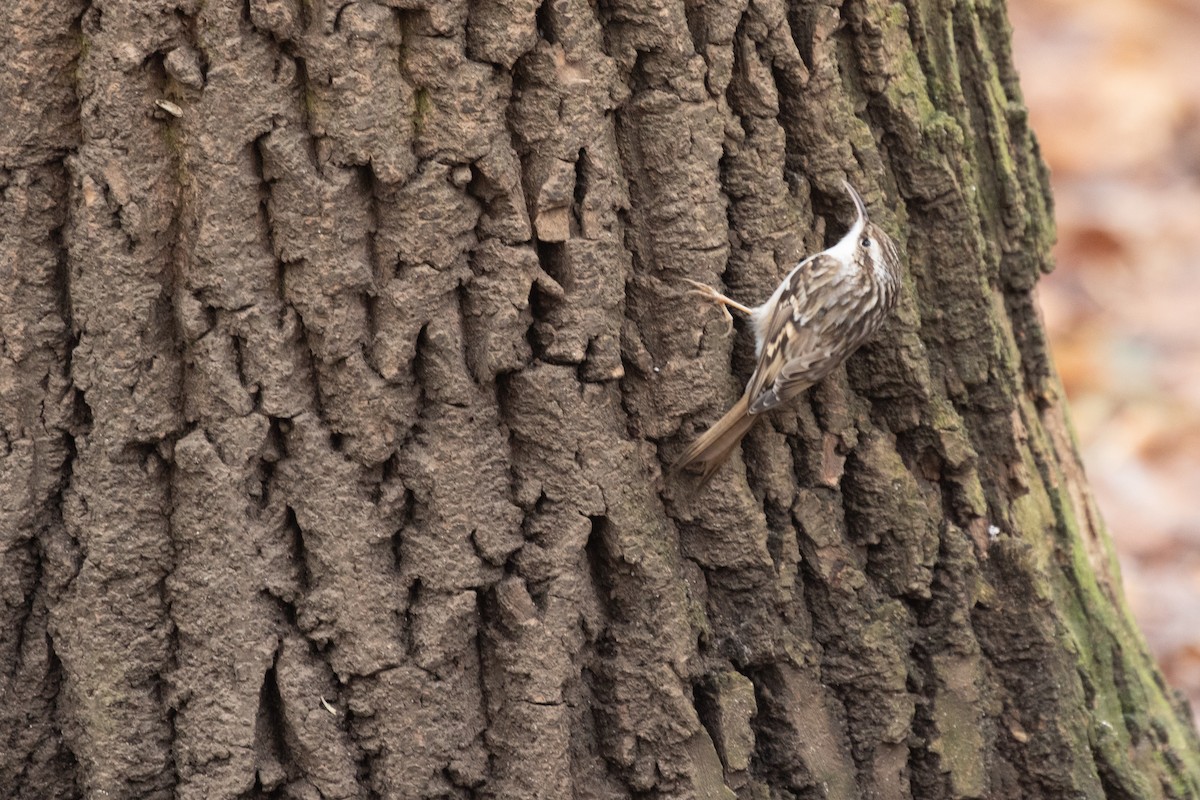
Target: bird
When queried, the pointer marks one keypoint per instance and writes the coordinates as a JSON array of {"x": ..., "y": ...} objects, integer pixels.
[{"x": 828, "y": 305}]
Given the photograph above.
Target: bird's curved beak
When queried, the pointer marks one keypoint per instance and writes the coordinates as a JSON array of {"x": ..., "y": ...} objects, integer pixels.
[{"x": 860, "y": 207}]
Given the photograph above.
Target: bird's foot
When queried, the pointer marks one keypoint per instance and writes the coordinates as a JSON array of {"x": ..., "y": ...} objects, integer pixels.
[{"x": 711, "y": 295}]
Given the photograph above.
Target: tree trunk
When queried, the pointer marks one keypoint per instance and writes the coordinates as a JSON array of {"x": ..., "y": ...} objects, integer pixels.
[{"x": 343, "y": 349}]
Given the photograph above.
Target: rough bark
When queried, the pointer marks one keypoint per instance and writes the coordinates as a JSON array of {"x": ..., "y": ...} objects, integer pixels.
[{"x": 343, "y": 348}]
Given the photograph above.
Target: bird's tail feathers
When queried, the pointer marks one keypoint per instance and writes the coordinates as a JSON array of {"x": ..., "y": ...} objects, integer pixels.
[{"x": 706, "y": 455}]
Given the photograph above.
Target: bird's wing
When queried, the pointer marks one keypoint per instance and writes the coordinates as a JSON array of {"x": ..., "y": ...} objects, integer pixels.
[{"x": 793, "y": 347}]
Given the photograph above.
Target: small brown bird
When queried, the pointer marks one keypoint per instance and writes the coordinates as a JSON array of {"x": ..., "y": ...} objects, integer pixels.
[{"x": 826, "y": 307}]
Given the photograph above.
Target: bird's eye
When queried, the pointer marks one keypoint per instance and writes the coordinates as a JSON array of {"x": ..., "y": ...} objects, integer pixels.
[{"x": 866, "y": 242}]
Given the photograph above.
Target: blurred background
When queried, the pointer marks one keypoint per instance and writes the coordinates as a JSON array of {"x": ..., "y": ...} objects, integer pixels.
[{"x": 1113, "y": 89}]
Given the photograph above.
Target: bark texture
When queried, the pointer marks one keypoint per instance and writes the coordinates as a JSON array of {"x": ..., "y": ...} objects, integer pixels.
[{"x": 343, "y": 344}]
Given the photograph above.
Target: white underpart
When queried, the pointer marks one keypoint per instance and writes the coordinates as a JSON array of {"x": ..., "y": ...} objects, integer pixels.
[
  {"x": 843, "y": 251},
  {"x": 759, "y": 314}
]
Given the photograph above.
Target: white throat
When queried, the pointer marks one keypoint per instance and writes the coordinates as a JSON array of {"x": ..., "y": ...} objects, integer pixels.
[{"x": 843, "y": 251}]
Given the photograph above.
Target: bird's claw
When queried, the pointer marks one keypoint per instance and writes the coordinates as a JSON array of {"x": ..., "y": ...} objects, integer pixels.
[
  {"x": 728, "y": 320},
  {"x": 711, "y": 295}
]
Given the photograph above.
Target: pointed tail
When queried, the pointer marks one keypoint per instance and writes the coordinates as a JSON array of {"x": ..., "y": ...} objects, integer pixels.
[{"x": 706, "y": 455}]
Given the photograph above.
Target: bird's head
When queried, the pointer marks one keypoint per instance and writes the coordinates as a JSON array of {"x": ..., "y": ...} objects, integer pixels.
[{"x": 866, "y": 244}]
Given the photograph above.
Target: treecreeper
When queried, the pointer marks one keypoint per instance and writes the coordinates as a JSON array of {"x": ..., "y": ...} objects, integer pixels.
[{"x": 826, "y": 307}]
